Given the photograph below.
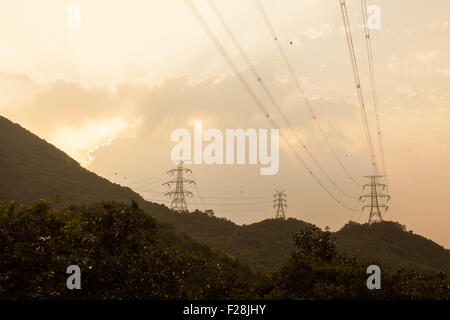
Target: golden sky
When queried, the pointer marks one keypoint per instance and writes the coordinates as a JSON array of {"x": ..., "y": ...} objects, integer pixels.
[{"x": 111, "y": 92}]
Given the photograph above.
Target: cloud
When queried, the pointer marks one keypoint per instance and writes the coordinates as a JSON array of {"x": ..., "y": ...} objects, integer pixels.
[
  {"x": 77, "y": 140},
  {"x": 444, "y": 72},
  {"x": 407, "y": 91},
  {"x": 427, "y": 56},
  {"x": 319, "y": 31},
  {"x": 61, "y": 104},
  {"x": 439, "y": 26},
  {"x": 84, "y": 120},
  {"x": 14, "y": 87}
]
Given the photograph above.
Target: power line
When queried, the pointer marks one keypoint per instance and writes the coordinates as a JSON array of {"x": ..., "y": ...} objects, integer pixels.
[
  {"x": 374, "y": 89},
  {"x": 153, "y": 190},
  {"x": 359, "y": 215},
  {"x": 219, "y": 204},
  {"x": 234, "y": 198},
  {"x": 152, "y": 183},
  {"x": 243, "y": 211},
  {"x": 200, "y": 197},
  {"x": 272, "y": 99},
  {"x": 147, "y": 184},
  {"x": 249, "y": 90},
  {"x": 357, "y": 82},
  {"x": 355, "y": 205},
  {"x": 302, "y": 94},
  {"x": 236, "y": 204},
  {"x": 146, "y": 178},
  {"x": 247, "y": 210}
]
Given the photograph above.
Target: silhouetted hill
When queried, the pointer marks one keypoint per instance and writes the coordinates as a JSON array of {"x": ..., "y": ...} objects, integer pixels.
[
  {"x": 389, "y": 243},
  {"x": 266, "y": 245},
  {"x": 31, "y": 168},
  {"x": 263, "y": 245}
]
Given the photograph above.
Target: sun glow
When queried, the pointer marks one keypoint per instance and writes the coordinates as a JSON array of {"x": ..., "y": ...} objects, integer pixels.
[{"x": 75, "y": 141}]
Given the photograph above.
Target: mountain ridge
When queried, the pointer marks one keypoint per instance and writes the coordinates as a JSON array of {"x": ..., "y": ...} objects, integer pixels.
[{"x": 48, "y": 172}]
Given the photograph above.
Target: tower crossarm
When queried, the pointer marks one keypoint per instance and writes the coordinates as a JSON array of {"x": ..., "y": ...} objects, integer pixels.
[
  {"x": 176, "y": 170},
  {"x": 378, "y": 196},
  {"x": 384, "y": 196},
  {"x": 376, "y": 184},
  {"x": 168, "y": 183},
  {"x": 379, "y": 206},
  {"x": 173, "y": 193}
]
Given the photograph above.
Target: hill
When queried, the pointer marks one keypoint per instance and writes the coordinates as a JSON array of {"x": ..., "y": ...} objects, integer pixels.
[
  {"x": 266, "y": 245},
  {"x": 31, "y": 168},
  {"x": 390, "y": 243}
]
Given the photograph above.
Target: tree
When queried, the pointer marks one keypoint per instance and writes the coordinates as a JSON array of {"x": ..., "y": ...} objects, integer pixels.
[
  {"x": 316, "y": 243},
  {"x": 316, "y": 271},
  {"x": 117, "y": 248}
]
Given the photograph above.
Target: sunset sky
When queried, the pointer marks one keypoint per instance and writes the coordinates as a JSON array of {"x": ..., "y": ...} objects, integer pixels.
[{"x": 110, "y": 93}]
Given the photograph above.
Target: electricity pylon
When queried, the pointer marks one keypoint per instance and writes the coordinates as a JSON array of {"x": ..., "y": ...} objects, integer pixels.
[
  {"x": 280, "y": 204},
  {"x": 179, "y": 194},
  {"x": 374, "y": 195}
]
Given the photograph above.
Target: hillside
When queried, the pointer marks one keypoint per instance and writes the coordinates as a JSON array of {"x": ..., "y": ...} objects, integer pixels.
[
  {"x": 392, "y": 245},
  {"x": 31, "y": 168},
  {"x": 264, "y": 245}
]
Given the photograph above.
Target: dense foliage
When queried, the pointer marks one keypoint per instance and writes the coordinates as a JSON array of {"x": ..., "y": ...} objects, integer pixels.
[
  {"x": 125, "y": 254},
  {"x": 119, "y": 250},
  {"x": 316, "y": 271}
]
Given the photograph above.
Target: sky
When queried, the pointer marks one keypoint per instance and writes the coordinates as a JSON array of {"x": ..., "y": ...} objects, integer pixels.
[{"x": 111, "y": 92}]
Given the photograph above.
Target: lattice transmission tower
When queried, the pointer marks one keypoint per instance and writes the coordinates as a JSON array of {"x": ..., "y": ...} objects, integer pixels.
[
  {"x": 280, "y": 203},
  {"x": 179, "y": 194},
  {"x": 375, "y": 198}
]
